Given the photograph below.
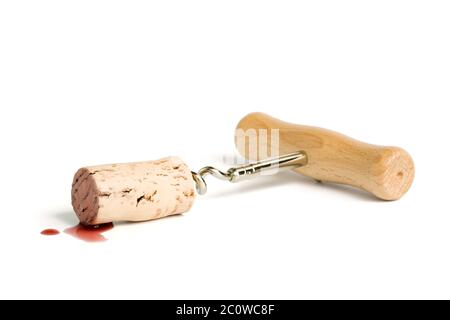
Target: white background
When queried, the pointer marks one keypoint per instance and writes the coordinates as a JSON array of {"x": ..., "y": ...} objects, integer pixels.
[{"x": 91, "y": 82}]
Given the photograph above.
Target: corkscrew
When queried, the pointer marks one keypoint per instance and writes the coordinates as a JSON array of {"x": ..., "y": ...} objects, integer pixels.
[
  {"x": 149, "y": 190},
  {"x": 248, "y": 171}
]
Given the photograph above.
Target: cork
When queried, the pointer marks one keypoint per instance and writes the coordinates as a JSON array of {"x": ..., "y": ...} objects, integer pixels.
[{"x": 137, "y": 191}]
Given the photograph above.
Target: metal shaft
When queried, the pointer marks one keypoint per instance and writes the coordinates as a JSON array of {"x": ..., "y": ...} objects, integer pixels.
[{"x": 245, "y": 172}]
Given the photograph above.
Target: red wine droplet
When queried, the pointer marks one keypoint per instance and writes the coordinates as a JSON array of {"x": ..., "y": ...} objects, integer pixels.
[
  {"x": 89, "y": 233},
  {"x": 49, "y": 232}
]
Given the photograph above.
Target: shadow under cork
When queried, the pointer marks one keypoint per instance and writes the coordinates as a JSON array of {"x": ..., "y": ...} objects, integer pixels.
[
  {"x": 149, "y": 222},
  {"x": 69, "y": 218},
  {"x": 65, "y": 216}
]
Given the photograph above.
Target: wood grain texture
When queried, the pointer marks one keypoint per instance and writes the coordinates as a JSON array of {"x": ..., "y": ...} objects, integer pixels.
[{"x": 386, "y": 172}]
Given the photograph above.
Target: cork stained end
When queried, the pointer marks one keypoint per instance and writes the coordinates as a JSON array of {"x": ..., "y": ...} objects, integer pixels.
[{"x": 85, "y": 196}]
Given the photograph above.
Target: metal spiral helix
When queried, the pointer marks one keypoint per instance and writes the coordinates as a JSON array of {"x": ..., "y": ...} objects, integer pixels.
[{"x": 235, "y": 174}]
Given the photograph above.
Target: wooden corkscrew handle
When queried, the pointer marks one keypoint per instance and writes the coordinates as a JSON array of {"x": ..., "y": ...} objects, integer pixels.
[{"x": 386, "y": 172}]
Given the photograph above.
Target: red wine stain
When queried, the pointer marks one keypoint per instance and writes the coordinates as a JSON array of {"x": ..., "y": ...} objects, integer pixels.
[
  {"x": 49, "y": 232},
  {"x": 89, "y": 233}
]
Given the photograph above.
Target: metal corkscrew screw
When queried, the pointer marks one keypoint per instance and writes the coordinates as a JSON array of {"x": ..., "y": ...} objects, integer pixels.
[{"x": 248, "y": 171}]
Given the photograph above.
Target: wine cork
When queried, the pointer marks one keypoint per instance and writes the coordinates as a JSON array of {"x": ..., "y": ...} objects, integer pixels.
[{"x": 132, "y": 191}]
